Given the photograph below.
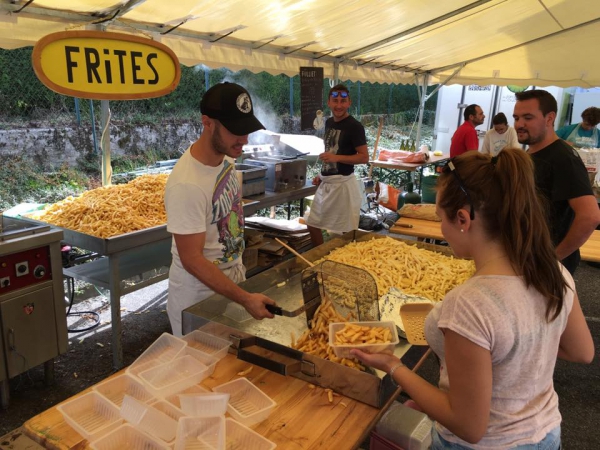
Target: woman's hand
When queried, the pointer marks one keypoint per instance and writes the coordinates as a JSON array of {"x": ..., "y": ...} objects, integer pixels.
[{"x": 381, "y": 361}]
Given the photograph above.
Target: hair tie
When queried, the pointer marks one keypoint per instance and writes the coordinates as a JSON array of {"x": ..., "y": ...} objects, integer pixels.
[{"x": 494, "y": 160}]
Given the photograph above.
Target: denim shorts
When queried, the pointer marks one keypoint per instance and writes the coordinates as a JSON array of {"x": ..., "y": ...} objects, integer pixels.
[{"x": 550, "y": 442}]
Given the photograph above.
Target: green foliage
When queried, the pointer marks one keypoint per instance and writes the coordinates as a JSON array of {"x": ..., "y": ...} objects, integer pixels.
[{"x": 21, "y": 180}]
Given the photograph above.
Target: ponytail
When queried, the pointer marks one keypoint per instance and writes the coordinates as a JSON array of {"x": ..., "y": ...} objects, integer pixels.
[{"x": 505, "y": 198}]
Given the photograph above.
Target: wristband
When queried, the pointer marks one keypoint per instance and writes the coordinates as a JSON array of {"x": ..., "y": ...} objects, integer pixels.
[{"x": 391, "y": 373}]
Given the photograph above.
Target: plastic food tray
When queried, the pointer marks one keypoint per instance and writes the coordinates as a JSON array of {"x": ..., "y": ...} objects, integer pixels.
[
  {"x": 127, "y": 437},
  {"x": 174, "y": 376},
  {"x": 169, "y": 409},
  {"x": 92, "y": 415},
  {"x": 149, "y": 420},
  {"x": 166, "y": 348},
  {"x": 200, "y": 433},
  {"x": 247, "y": 403},
  {"x": 194, "y": 389},
  {"x": 204, "y": 404},
  {"x": 209, "y": 361},
  {"x": 208, "y": 343},
  {"x": 240, "y": 437},
  {"x": 343, "y": 350},
  {"x": 116, "y": 388}
]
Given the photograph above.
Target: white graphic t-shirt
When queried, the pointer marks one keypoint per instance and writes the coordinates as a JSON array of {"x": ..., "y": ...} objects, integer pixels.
[{"x": 204, "y": 199}]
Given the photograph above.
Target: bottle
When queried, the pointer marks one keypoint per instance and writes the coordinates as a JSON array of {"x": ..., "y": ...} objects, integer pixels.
[
  {"x": 402, "y": 145},
  {"x": 413, "y": 147}
]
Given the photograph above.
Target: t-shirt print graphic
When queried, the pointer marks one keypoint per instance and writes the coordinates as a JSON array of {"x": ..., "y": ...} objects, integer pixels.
[{"x": 227, "y": 214}]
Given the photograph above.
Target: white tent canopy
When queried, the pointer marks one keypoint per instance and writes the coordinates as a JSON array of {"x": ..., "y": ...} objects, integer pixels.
[{"x": 522, "y": 42}]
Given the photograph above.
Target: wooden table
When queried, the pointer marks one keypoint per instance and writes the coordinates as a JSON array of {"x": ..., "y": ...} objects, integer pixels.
[
  {"x": 590, "y": 251},
  {"x": 302, "y": 420}
]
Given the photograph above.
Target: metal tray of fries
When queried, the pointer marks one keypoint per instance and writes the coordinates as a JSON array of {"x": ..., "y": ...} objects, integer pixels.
[{"x": 106, "y": 246}]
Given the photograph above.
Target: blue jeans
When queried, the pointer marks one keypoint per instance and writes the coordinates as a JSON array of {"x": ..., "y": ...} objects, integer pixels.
[{"x": 550, "y": 442}]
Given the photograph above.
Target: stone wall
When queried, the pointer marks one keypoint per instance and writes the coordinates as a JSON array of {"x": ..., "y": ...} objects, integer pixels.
[{"x": 54, "y": 146}]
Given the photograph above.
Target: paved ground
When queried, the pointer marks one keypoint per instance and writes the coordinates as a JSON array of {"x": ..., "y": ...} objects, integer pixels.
[{"x": 144, "y": 319}]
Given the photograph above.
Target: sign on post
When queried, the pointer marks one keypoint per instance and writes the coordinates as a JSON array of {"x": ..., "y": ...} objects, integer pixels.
[
  {"x": 105, "y": 66},
  {"x": 311, "y": 98}
]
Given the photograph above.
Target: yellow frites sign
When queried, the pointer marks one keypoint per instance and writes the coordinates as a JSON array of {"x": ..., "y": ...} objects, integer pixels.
[{"x": 105, "y": 66}]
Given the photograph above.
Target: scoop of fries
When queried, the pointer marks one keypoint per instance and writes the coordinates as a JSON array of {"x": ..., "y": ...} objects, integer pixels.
[{"x": 357, "y": 334}]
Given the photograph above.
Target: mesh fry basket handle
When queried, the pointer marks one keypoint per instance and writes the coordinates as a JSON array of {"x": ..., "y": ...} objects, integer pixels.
[{"x": 413, "y": 318}]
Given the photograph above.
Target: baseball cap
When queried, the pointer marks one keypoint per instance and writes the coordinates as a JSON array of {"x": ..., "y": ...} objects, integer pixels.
[{"x": 231, "y": 105}]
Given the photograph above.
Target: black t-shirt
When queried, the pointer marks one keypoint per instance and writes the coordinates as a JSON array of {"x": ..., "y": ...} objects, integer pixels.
[
  {"x": 560, "y": 175},
  {"x": 342, "y": 138}
]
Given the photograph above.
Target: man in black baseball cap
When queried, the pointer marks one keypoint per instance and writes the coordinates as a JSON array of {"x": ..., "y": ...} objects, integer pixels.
[
  {"x": 203, "y": 200},
  {"x": 230, "y": 103}
]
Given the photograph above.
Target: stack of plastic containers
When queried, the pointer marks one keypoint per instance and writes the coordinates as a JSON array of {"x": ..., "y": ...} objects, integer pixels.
[{"x": 164, "y": 407}]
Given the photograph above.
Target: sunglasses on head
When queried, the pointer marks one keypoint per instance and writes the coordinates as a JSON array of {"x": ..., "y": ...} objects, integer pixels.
[
  {"x": 449, "y": 167},
  {"x": 336, "y": 94}
]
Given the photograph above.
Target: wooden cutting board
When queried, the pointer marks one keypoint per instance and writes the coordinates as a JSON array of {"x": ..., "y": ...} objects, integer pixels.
[
  {"x": 302, "y": 420},
  {"x": 420, "y": 228}
]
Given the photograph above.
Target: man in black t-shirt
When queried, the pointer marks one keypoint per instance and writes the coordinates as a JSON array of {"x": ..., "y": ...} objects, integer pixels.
[
  {"x": 560, "y": 176},
  {"x": 336, "y": 206}
]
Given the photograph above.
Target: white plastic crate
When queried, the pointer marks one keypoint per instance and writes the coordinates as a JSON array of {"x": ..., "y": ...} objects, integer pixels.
[
  {"x": 149, "y": 420},
  {"x": 92, "y": 415},
  {"x": 240, "y": 437},
  {"x": 194, "y": 389},
  {"x": 169, "y": 409},
  {"x": 204, "y": 404},
  {"x": 127, "y": 437},
  {"x": 116, "y": 388},
  {"x": 343, "y": 350},
  {"x": 201, "y": 433},
  {"x": 175, "y": 376},
  {"x": 166, "y": 348},
  {"x": 247, "y": 403},
  {"x": 207, "y": 343}
]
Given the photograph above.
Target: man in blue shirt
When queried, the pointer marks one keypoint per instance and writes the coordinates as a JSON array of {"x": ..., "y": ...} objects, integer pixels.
[{"x": 584, "y": 134}]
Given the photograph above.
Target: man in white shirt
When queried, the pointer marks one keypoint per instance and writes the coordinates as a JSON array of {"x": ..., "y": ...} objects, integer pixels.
[{"x": 205, "y": 212}]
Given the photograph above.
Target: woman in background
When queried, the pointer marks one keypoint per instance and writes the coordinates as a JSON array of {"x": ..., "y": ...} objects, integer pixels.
[
  {"x": 500, "y": 136},
  {"x": 498, "y": 335}
]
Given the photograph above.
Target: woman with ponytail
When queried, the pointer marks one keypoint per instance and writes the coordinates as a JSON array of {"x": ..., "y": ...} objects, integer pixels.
[{"x": 498, "y": 335}]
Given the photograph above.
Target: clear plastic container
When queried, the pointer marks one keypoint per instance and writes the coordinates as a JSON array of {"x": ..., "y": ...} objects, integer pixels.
[
  {"x": 209, "y": 361},
  {"x": 195, "y": 389},
  {"x": 166, "y": 348},
  {"x": 343, "y": 350},
  {"x": 169, "y": 409},
  {"x": 207, "y": 343},
  {"x": 149, "y": 419},
  {"x": 127, "y": 437},
  {"x": 247, "y": 403},
  {"x": 204, "y": 404},
  {"x": 201, "y": 433},
  {"x": 175, "y": 376},
  {"x": 92, "y": 415},
  {"x": 116, "y": 388},
  {"x": 238, "y": 437}
]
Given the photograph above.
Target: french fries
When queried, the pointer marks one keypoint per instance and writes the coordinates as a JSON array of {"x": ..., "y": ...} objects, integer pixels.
[
  {"x": 112, "y": 210},
  {"x": 357, "y": 334},
  {"x": 393, "y": 263},
  {"x": 315, "y": 340}
]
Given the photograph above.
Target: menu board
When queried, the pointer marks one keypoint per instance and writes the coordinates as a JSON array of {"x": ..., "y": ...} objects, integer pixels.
[{"x": 311, "y": 98}]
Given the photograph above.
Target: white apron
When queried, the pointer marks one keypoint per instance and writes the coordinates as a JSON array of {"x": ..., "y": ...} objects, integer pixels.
[
  {"x": 186, "y": 290},
  {"x": 336, "y": 206},
  {"x": 583, "y": 141}
]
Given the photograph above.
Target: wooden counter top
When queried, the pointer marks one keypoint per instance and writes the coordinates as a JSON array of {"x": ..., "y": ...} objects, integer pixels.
[
  {"x": 427, "y": 229},
  {"x": 302, "y": 420}
]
